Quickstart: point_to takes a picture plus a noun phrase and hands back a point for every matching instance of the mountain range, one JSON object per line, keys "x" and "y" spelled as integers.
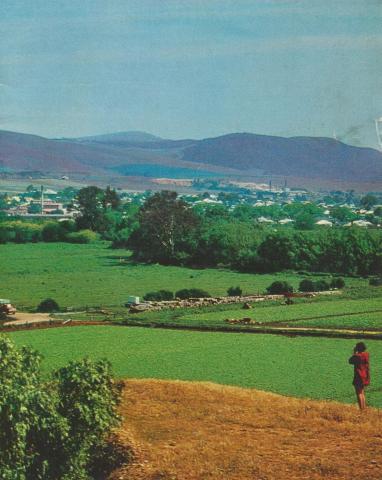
{"x": 236, "y": 155}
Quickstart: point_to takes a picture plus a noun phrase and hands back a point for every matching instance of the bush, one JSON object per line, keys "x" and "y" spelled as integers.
{"x": 159, "y": 296}
{"x": 280, "y": 287}
{"x": 234, "y": 291}
{"x": 53, "y": 232}
{"x": 48, "y": 305}
{"x": 376, "y": 282}
{"x": 321, "y": 285}
{"x": 306, "y": 285}
{"x": 83, "y": 236}
{"x": 191, "y": 293}
{"x": 337, "y": 283}
{"x": 53, "y": 430}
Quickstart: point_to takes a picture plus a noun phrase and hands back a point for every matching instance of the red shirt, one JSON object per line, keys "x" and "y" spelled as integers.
{"x": 360, "y": 360}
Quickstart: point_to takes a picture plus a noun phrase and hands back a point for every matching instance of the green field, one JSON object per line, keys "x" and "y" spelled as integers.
{"x": 303, "y": 367}
{"x": 94, "y": 275}
{"x": 322, "y": 312}
{"x": 296, "y": 314}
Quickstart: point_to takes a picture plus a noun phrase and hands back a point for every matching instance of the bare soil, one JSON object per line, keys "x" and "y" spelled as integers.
{"x": 191, "y": 431}
{"x": 22, "y": 318}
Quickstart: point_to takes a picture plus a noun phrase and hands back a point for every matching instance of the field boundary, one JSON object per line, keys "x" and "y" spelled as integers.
{"x": 284, "y": 331}
{"x": 331, "y": 315}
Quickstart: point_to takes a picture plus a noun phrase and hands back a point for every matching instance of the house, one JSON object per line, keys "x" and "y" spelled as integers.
{"x": 324, "y": 223}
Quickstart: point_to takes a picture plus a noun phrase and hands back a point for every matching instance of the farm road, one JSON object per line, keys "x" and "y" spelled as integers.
{"x": 22, "y": 318}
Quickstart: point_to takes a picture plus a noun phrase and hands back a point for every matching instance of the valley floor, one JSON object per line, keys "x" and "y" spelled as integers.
{"x": 193, "y": 431}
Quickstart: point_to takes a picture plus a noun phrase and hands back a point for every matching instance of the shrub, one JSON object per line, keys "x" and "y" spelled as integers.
{"x": 6, "y": 234}
{"x": 83, "y": 236}
{"x": 48, "y": 305}
{"x": 234, "y": 291}
{"x": 53, "y": 232}
{"x": 321, "y": 285}
{"x": 280, "y": 287}
{"x": 159, "y": 296}
{"x": 306, "y": 285}
{"x": 53, "y": 430}
{"x": 338, "y": 282}
{"x": 375, "y": 282}
{"x": 191, "y": 293}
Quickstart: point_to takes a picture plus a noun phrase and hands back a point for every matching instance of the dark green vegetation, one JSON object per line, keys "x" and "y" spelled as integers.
{"x": 48, "y": 305}
{"x": 303, "y": 367}
{"x": 57, "y": 428}
{"x": 168, "y": 231}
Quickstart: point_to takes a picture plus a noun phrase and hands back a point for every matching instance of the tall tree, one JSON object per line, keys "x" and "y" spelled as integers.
{"x": 167, "y": 230}
{"x": 93, "y": 203}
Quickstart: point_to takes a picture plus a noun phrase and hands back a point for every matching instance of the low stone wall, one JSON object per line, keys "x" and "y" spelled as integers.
{"x": 204, "y": 302}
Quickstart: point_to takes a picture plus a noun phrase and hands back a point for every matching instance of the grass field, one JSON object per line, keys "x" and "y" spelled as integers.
{"x": 94, "y": 275}
{"x": 304, "y": 367}
{"x": 322, "y": 312}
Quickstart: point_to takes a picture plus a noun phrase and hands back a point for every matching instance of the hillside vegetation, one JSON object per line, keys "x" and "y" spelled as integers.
{"x": 194, "y": 431}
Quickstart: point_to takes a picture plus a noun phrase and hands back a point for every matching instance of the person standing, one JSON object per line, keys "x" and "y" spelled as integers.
{"x": 360, "y": 360}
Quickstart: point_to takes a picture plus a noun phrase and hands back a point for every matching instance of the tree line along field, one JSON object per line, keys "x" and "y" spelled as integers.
{"x": 303, "y": 367}
{"x": 93, "y": 275}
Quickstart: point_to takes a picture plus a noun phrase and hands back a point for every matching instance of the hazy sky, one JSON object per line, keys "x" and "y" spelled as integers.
{"x": 192, "y": 68}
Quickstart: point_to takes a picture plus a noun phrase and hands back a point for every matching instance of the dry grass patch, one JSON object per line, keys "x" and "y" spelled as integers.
{"x": 187, "y": 431}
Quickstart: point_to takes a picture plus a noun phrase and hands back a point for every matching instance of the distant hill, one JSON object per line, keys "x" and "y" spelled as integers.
{"x": 120, "y": 138}
{"x": 298, "y": 156}
{"x": 237, "y": 154}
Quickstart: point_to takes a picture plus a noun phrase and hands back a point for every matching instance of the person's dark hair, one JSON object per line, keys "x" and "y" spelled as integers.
{"x": 360, "y": 347}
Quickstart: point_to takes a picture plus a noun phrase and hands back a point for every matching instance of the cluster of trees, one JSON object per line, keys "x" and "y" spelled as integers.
{"x": 57, "y": 429}
{"x": 20, "y": 231}
{"x": 99, "y": 214}
{"x": 182, "y": 294}
{"x": 168, "y": 231}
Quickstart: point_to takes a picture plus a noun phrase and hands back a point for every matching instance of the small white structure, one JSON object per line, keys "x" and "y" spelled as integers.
{"x": 131, "y": 300}
{"x": 285, "y": 221}
{"x": 265, "y": 220}
{"x": 359, "y": 223}
{"x": 324, "y": 223}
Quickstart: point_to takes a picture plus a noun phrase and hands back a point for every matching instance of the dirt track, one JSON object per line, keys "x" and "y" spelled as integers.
{"x": 22, "y": 318}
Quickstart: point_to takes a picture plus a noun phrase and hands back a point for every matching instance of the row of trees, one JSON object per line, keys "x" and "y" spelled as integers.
{"x": 170, "y": 232}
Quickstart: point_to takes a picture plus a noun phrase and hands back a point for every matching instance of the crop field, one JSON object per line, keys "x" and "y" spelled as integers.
{"x": 303, "y": 367}
{"x": 320, "y": 312}
{"x": 94, "y": 275}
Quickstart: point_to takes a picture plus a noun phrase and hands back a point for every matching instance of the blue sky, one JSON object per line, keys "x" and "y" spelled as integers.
{"x": 192, "y": 68}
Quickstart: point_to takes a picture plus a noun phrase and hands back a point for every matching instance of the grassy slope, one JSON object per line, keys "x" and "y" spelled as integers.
{"x": 197, "y": 431}
{"x": 80, "y": 275}
{"x": 305, "y": 367}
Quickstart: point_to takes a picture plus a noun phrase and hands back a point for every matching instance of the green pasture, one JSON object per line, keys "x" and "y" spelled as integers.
{"x": 96, "y": 275}
{"x": 320, "y": 312}
{"x": 304, "y": 367}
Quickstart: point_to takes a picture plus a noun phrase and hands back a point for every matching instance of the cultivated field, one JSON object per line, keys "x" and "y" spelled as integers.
{"x": 322, "y": 312}
{"x": 303, "y": 367}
